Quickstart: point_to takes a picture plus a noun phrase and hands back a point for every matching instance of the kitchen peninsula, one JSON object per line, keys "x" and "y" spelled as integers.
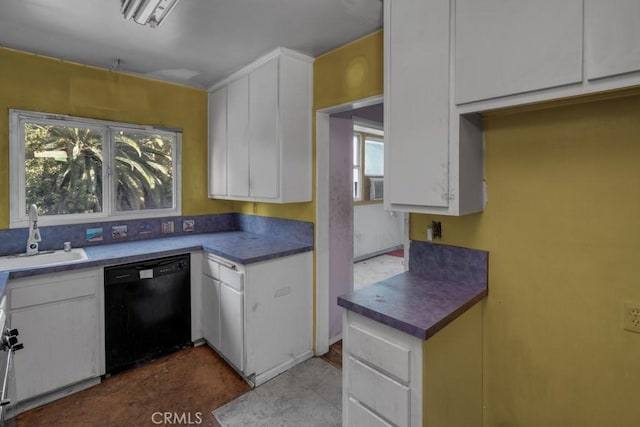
{"x": 414, "y": 340}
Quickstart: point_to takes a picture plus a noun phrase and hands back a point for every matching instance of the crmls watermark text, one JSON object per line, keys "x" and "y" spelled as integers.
{"x": 175, "y": 418}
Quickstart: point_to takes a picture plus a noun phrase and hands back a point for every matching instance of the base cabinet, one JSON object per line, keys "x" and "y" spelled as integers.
{"x": 58, "y": 319}
{"x": 391, "y": 378}
{"x": 258, "y": 316}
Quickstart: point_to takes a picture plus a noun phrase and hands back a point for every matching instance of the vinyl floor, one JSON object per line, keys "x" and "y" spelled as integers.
{"x": 187, "y": 385}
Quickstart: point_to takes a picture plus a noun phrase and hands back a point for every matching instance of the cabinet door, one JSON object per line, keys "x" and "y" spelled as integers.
{"x": 60, "y": 345}
{"x": 238, "y": 138}
{"x": 232, "y": 325}
{"x": 211, "y": 310}
{"x": 505, "y": 47}
{"x": 279, "y": 298}
{"x": 218, "y": 142}
{"x": 416, "y": 102}
{"x": 612, "y": 37}
{"x": 264, "y": 148}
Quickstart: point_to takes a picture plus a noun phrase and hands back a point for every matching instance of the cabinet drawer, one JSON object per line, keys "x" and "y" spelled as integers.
{"x": 233, "y": 278}
{"x": 211, "y": 268}
{"x": 56, "y": 290}
{"x": 359, "y": 416}
{"x": 387, "y": 356}
{"x": 383, "y": 395}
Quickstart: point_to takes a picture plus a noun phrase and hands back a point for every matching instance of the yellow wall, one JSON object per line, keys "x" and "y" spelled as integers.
{"x": 35, "y": 83}
{"x": 562, "y": 226}
{"x": 563, "y": 229}
{"x": 350, "y": 73}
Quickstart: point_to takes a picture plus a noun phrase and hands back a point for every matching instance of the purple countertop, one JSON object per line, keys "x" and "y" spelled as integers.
{"x": 413, "y": 303}
{"x": 237, "y": 246}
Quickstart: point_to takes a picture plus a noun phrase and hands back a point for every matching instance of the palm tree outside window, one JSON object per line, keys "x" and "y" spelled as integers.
{"x": 81, "y": 170}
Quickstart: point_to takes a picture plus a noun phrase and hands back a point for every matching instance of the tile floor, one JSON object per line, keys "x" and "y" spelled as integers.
{"x": 307, "y": 395}
{"x": 375, "y": 269}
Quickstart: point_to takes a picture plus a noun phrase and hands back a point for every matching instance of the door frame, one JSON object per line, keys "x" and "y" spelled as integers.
{"x": 323, "y": 231}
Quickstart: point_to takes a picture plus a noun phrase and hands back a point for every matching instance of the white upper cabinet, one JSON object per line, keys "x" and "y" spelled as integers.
{"x": 433, "y": 156}
{"x": 264, "y": 154}
{"x": 612, "y": 30}
{"x": 416, "y": 103}
{"x": 260, "y": 136}
{"x": 507, "y": 47}
{"x": 237, "y": 138}
{"x": 218, "y": 133}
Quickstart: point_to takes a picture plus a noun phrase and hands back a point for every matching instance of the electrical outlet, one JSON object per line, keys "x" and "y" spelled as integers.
{"x": 631, "y": 316}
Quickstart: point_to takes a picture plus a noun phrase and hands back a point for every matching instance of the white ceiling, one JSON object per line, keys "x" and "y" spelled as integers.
{"x": 200, "y": 42}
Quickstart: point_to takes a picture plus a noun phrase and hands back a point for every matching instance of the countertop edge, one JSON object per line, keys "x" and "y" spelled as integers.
{"x": 5, "y": 275}
{"x": 253, "y": 260}
{"x": 410, "y": 328}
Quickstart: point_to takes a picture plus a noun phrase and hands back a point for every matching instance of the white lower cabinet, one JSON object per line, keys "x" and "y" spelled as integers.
{"x": 258, "y": 316}
{"x": 57, "y": 316}
{"x": 382, "y": 374}
{"x": 391, "y": 378}
{"x": 232, "y": 325}
{"x": 211, "y": 310}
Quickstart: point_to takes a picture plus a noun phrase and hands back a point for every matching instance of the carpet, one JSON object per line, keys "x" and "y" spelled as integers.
{"x": 307, "y": 395}
{"x": 187, "y": 385}
{"x": 398, "y": 252}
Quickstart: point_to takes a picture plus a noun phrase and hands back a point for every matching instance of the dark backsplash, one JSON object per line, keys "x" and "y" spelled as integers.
{"x": 14, "y": 241}
{"x": 442, "y": 262}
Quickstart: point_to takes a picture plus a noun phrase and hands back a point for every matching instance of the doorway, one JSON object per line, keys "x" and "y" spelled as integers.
{"x": 341, "y": 227}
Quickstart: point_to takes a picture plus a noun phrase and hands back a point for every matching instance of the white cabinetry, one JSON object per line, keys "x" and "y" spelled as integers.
{"x": 237, "y": 147}
{"x": 433, "y": 157}
{"x": 223, "y": 309}
{"x": 612, "y": 37}
{"x": 511, "y": 53}
{"x": 58, "y": 319}
{"x": 391, "y": 378}
{"x": 382, "y": 375}
{"x": 260, "y": 131}
{"x": 258, "y": 316}
{"x": 510, "y": 47}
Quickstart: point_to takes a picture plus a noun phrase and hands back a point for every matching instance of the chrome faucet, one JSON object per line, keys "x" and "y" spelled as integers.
{"x": 34, "y": 233}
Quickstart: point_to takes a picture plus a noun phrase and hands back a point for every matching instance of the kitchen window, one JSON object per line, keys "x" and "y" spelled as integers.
{"x": 82, "y": 170}
{"x": 368, "y": 163}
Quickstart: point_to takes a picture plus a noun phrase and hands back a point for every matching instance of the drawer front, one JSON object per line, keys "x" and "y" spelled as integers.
{"x": 211, "y": 268}
{"x": 25, "y": 296}
{"x": 359, "y": 416}
{"x": 389, "y": 357}
{"x": 233, "y": 278}
{"x": 382, "y": 394}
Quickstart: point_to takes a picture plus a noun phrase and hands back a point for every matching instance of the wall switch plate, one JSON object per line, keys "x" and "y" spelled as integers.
{"x": 631, "y": 316}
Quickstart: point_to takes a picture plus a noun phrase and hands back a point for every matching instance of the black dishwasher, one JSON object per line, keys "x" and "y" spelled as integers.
{"x": 147, "y": 310}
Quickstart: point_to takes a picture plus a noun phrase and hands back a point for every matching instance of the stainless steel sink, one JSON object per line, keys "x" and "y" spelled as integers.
{"x": 42, "y": 259}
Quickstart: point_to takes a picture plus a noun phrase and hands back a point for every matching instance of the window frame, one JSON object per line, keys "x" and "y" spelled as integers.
{"x": 374, "y": 132}
{"x": 357, "y": 164}
{"x": 17, "y": 175}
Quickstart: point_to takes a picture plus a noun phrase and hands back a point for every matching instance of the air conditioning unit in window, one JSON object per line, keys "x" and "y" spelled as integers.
{"x": 376, "y": 188}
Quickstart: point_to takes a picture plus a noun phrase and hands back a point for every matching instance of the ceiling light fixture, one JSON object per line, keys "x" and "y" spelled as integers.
{"x": 144, "y": 12}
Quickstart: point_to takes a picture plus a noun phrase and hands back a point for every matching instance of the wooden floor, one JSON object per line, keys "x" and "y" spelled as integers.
{"x": 334, "y": 356}
{"x": 190, "y": 383}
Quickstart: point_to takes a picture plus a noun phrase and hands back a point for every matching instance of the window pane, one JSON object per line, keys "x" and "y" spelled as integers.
{"x": 63, "y": 168}
{"x": 356, "y": 183}
{"x": 144, "y": 170}
{"x": 373, "y": 158}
